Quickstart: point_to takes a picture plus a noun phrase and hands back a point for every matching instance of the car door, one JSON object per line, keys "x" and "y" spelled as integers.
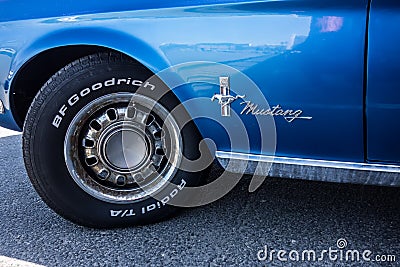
{"x": 383, "y": 83}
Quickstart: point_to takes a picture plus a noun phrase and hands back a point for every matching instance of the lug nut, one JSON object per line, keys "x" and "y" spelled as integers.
{"x": 121, "y": 180}
{"x": 103, "y": 174}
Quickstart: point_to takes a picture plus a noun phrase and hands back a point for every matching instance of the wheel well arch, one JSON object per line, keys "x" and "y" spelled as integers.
{"x": 39, "y": 69}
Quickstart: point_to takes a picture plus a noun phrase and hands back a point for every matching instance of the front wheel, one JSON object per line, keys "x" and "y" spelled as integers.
{"x": 103, "y": 155}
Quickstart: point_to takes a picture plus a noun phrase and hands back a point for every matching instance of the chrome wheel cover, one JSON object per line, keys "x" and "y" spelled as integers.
{"x": 122, "y": 148}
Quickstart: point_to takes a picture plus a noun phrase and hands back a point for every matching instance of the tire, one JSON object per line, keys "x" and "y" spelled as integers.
{"x": 74, "y": 132}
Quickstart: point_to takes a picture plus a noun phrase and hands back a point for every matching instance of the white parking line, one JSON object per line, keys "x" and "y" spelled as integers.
{"x": 11, "y": 262}
{"x": 5, "y": 132}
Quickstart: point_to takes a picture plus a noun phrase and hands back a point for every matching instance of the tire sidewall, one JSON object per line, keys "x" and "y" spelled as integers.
{"x": 47, "y": 146}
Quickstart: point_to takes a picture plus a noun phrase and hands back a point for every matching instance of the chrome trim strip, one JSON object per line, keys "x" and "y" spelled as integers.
{"x": 311, "y": 169}
{"x": 309, "y": 162}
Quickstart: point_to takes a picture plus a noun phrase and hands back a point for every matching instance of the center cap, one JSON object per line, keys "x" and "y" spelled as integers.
{"x": 126, "y": 152}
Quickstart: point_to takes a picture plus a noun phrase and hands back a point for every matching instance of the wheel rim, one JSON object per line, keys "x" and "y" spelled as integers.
{"x": 122, "y": 148}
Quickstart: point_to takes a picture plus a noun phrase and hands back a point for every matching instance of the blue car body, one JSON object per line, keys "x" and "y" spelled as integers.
{"x": 336, "y": 60}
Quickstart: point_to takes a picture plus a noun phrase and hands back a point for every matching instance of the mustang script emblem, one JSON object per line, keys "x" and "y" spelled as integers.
{"x": 288, "y": 114}
{"x": 225, "y": 99}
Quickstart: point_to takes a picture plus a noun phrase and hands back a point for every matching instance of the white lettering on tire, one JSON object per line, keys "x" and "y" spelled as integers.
{"x": 151, "y": 207}
{"x": 97, "y": 86}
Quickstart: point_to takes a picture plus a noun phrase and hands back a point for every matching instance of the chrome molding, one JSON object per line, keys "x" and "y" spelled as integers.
{"x": 310, "y": 169}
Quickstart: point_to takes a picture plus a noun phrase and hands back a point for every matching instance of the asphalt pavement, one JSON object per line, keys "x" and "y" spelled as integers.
{"x": 290, "y": 215}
